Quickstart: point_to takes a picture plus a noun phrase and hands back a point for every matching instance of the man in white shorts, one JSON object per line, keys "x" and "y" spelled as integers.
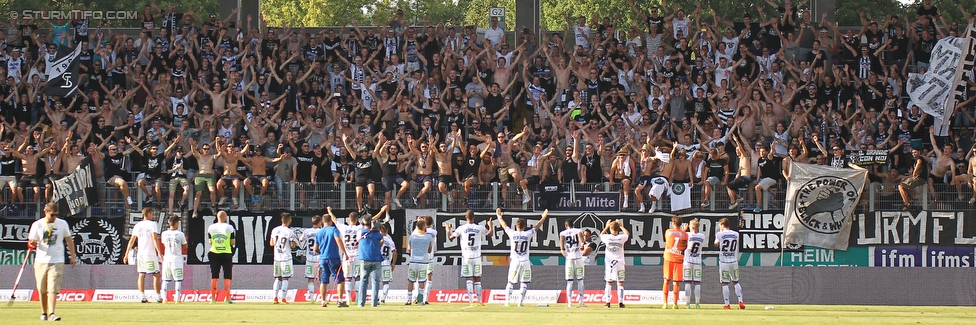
{"x": 471, "y": 235}
{"x": 419, "y": 246}
{"x": 146, "y": 233}
{"x": 174, "y": 243}
{"x": 727, "y": 241}
{"x": 432, "y": 232}
{"x": 693, "y": 263}
{"x": 389, "y": 260}
{"x": 571, "y": 246}
{"x": 519, "y": 267}
{"x": 614, "y": 236}
{"x": 311, "y": 256}
{"x": 282, "y": 241}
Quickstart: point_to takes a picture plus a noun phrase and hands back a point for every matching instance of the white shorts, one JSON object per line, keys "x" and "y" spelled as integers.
{"x": 766, "y": 183}
{"x": 693, "y": 272}
{"x": 659, "y": 186}
{"x": 614, "y": 271}
{"x": 147, "y": 264}
{"x": 283, "y": 269}
{"x": 520, "y": 271}
{"x": 173, "y": 269}
{"x": 417, "y": 272}
{"x": 310, "y": 269}
{"x": 574, "y": 269}
{"x": 729, "y": 272}
{"x": 471, "y": 267}
{"x": 430, "y": 269}
{"x": 352, "y": 268}
{"x": 10, "y": 181}
{"x": 386, "y": 273}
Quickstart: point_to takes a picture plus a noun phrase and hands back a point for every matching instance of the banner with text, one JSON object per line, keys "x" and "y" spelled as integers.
{"x": 763, "y": 232}
{"x": 820, "y": 202}
{"x": 583, "y": 201}
{"x": 97, "y": 240}
{"x": 76, "y": 192}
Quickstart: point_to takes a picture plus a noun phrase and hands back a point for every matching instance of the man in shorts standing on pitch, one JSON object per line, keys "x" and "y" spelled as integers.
{"x": 519, "y": 267}
{"x": 146, "y": 233}
{"x": 389, "y": 261}
{"x": 352, "y": 232}
{"x": 693, "y": 264}
{"x": 419, "y": 246}
{"x": 471, "y": 235}
{"x": 221, "y": 255}
{"x": 614, "y": 236}
{"x": 675, "y": 241}
{"x": 283, "y": 241}
{"x": 727, "y": 241}
{"x": 570, "y": 246}
{"x": 46, "y": 236}
{"x": 328, "y": 243}
{"x": 174, "y": 245}
{"x": 311, "y": 256}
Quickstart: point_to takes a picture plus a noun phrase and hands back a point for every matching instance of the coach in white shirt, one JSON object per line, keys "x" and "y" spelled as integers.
{"x": 495, "y": 34}
{"x": 48, "y": 236}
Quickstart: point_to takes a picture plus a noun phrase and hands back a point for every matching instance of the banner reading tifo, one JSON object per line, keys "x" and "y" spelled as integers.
{"x": 820, "y": 202}
{"x": 76, "y": 192}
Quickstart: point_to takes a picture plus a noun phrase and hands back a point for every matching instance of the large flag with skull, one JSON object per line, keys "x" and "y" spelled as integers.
{"x": 820, "y": 203}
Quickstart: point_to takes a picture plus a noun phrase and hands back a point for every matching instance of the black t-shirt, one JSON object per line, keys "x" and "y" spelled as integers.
{"x": 367, "y": 168}
{"x": 8, "y": 165}
{"x": 752, "y": 34}
{"x": 115, "y": 166}
{"x": 304, "y": 167}
{"x": 153, "y": 165}
{"x": 171, "y": 164}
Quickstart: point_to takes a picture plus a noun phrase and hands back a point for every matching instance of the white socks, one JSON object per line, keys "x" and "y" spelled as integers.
{"x": 508, "y": 290}
{"x": 386, "y": 290}
{"x": 477, "y": 291}
{"x": 276, "y": 287}
{"x": 523, "y": 290}
{"x": 284, "y": 288}
{"x": 738, "y": 291}
{"x": 687, "y": 294}
{"x": 311, "y": 290}
{"x": 579, "y": 287}
{"x": 697, "y": 293}
{"x": 469, "y": 284}
{"x": 163, "y": 295}
{"x": 569, "y": 292}
{"x": 427, "y": 291}
{"x": 620, "y": 293}
{"x": 606, "y": 293}
{"x": 725, "y": 293}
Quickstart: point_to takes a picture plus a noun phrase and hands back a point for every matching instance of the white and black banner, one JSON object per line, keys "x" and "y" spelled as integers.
{"x": 76, "y": 192}
{"x": 963, "y": 71}
{"x": 581, "y": 201}
{"x": 64, "y": 75}
{"x": 820, "y": 202}
{"x": 941, "y": 87}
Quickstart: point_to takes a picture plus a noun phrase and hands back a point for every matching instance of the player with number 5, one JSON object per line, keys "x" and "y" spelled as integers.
{"x": 520, "y": 268}
{"x": 614, "y": 236}
{"x": 727, "y": 241}
{"x": 472, "y": 235}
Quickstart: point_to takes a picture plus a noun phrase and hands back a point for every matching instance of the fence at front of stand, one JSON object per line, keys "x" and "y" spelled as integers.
{"x": 483, "y": 197}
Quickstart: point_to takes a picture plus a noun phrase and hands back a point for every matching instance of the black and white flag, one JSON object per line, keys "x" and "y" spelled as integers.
{"x": 820, "y": 202}
{"x": 64, "y": 76}
{"x": 77, "y": 191}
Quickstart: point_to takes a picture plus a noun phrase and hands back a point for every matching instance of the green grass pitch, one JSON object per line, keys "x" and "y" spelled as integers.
{"x": 303, "y": 313}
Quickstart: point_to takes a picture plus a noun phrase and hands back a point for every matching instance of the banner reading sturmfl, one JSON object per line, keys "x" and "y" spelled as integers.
{"x": 76, "y": 192}
{"x": 820, "y": 202}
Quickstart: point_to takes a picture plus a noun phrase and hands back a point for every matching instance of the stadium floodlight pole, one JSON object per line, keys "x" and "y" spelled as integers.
{"x": 13, "y": 292}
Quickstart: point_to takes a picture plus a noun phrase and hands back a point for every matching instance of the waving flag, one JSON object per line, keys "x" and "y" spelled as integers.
{"x": 64, "y": 77}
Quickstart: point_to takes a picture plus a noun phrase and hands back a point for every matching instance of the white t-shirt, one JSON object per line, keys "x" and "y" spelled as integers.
{"x": 173, "y": 241}
{"x": 350, "y": 236}
{"x": 282, "y": 237}
{"x": 520, "y": 242}
{"x": 50, "y": 240}
{"x": 681, "y": 27}
{"x": 494, "y": 35}
{"x": 470, "y": 237}
{"x": 144, "y": 231}
{"x": 387, "y": 249}
{"x": 308, "y": 237}
{"x": 696, "y": 242}
{"x": 571, "y": 243}
{"x": 728, "y": 246}
{"x": 614, "y": 245}
{"x": 580, "y": 31}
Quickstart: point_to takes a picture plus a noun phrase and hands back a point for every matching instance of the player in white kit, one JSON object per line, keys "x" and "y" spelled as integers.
{"x": 471, "y": 235}
{"x": 727, "y": 241}
{"x": 174, "y": 245}
{"x": 146, "y": 233}
{"x": 311, "y": 256}
{"x": 283, "y": 241}
{"x": 693, "y": 263}
{"x": 351, "y": 232}
{"x": 389, "y": 261}
{"x": 519, "y": 267}
{"x": 419, "y": 246}
{"x": 432, "y": 232}
{"x": 571, "y": 247}
{"x": 614, "y": 236}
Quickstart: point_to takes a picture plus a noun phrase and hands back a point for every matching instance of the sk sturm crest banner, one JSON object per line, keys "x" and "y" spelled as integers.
{"x": 820, "y": 204}
{"x": 64, "y": 75}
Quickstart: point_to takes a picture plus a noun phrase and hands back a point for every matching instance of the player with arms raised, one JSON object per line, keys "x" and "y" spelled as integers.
{"x": 471, "y": 235}
{"x": 693, "y": 264}
{"x": 727, "y": 241}
{"x": 614, "y": 236}
{"x": 283, "y": 241}
{"x": 519, "y": 268}
{"x": 675, "y": 241}
{"x": 311, "y": 256}
{"x": 174, "y": 244}
{"x": 571, "y": 247}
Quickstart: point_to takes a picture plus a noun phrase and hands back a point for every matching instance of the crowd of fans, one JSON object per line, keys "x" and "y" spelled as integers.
{"x": 683, "y": 95}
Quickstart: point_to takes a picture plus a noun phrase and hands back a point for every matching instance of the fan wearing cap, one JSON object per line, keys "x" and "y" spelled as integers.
{"x": 367, "y": 167}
